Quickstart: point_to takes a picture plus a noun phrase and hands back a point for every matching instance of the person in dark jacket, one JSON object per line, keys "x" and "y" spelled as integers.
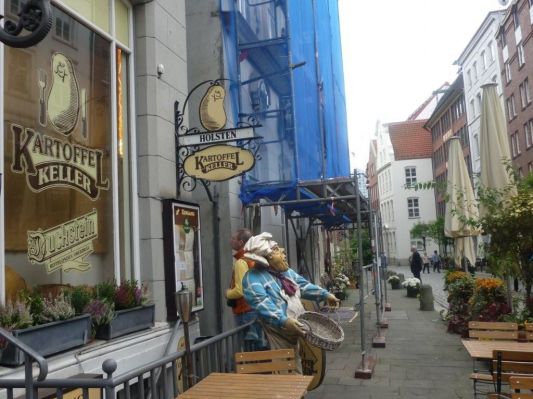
{"x": 416, "y": 263}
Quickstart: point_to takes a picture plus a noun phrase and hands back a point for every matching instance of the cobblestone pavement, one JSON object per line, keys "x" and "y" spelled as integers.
{"x": 420, "y": 360}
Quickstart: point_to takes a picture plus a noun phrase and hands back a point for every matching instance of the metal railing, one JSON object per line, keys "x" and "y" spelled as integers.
{"x": 158, "y": 379}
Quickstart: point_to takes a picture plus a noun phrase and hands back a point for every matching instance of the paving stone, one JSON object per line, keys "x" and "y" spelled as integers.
{"x": 420, "y": 360}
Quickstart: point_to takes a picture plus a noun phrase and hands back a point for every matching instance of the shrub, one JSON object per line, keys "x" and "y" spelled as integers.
{"x": 488, "y": 302}
{"x": 80, "y": 296}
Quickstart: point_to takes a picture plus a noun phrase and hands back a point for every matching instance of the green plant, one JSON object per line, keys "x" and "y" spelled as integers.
{"x": 80, "y": 296}
{"x": 106, "y": 291}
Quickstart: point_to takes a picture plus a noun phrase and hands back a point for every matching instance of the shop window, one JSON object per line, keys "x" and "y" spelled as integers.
{"x": 58, "y": 141}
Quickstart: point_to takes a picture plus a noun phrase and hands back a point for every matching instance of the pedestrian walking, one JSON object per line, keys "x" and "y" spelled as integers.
{"x": 435, "y": 260}
{"x": 425, "y": 262}
{"x": 416, "y": 263}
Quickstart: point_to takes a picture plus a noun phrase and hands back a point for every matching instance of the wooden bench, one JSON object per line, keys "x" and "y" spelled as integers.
{"x": 278, "y": 361}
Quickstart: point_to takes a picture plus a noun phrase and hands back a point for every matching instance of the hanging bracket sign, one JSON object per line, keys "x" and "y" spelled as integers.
{"x": 201, "y": 154}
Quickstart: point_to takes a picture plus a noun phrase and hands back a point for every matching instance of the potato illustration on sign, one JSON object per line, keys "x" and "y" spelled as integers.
{"x": 64, "y": 98}
{"x": 212, "y": 113}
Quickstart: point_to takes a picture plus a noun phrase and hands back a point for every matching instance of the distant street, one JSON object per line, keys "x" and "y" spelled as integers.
{"x": 436, "y": 280}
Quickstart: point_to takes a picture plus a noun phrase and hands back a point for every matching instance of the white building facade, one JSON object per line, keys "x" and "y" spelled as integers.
{"x": 480, "y": 65}
{"x": 400, "y": 206}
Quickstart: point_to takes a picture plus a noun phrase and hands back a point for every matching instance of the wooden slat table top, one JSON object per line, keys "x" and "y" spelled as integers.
{"x": 482, "y": 349}
{"x": 256, "y": 386}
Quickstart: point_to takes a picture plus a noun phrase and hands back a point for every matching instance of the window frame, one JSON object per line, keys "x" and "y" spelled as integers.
{"x": 413, "y": 206}
{"x": 410, "y": 176}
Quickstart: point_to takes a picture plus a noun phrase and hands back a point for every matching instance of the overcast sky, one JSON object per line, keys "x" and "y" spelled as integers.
{"x": 396, "y": 53}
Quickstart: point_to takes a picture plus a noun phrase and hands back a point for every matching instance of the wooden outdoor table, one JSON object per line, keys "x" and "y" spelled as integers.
{"x": 256, "y": 386}
{"x": 482, "y": 349}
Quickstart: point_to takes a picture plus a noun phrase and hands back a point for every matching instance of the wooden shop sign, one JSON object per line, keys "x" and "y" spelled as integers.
{"x": 219, "y": 162}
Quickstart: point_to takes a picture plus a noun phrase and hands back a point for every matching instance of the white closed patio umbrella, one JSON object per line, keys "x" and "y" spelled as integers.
{"x": 494, "y": 149}
{"x": 461, "y": 205}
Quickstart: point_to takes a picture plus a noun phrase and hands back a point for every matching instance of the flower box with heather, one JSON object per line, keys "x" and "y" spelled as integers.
{"x": 120, "y": 310}
{"x": 47, "y": 325}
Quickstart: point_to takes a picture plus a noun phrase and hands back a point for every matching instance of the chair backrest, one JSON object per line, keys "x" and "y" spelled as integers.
{"x": 529, "y": 331}
{"x": 507, "y": 364}
{"x": 492, "y": 330}
{"x": 519, "y": 382}
{"x": 278, "y": 361}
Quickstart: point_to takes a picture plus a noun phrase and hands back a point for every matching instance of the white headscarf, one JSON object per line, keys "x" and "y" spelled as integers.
{"x": 258, "y": 247}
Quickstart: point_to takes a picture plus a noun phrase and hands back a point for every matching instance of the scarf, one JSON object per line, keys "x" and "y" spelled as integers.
{"x": 287, "y": 284}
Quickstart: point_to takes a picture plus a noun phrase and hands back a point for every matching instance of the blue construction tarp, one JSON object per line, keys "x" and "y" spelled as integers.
{"x": 306, "y": 137}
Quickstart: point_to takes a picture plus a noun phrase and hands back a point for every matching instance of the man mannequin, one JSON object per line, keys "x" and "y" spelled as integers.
{"x": 273, "y": 290}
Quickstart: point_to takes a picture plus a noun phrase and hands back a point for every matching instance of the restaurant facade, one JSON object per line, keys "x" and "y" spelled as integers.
{"x": 93, "y": 187}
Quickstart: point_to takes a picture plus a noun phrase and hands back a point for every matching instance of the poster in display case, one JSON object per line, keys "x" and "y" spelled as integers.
{"x": 183, "y": 253}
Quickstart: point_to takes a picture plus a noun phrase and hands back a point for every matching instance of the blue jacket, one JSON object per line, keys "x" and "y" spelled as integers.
{"x": 262, "y": 292}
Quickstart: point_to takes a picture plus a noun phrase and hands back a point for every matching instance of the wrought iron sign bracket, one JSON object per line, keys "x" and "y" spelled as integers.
{"x": 34, "y": 17}
{"x": 214, "y": 136}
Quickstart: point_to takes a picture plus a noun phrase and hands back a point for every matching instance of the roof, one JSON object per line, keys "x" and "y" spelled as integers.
{"x": 410, "y": 140}
{"x": 426, "y": 103}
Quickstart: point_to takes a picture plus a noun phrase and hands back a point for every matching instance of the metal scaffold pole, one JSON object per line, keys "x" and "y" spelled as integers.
{"x": 366, "y": 367}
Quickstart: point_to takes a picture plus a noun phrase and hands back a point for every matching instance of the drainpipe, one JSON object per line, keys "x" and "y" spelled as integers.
{"x": 216, "y": 241}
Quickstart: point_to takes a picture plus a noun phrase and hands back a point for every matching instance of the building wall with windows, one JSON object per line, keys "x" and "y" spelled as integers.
{"x": 515, "y": 49}
{"x": 448, "y": 120}
{"x": 480, "y": 64}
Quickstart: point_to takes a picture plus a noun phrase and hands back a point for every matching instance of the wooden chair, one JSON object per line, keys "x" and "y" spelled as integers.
{"x": 278, "y": 361}
{"x": 518, "y": 383}
{"x": 507, "y": 364}
{"x": 489, "y": 331}
{"x": 529, "y": 331}
{"x": 492, "y": 330}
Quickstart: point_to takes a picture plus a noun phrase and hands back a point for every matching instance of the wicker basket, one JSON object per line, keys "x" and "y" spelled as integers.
{"x": 321, "y": 331}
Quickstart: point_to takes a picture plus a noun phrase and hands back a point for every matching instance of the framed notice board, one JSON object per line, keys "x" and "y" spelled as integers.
{"x": 183, "y": 253}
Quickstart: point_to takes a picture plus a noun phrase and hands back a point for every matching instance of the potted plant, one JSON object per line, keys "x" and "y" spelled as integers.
{"x": 338, "y": 287}
{"x": 394, "y": 281}
{"x": 48, "y": 325}
{"x": 120, "y": 309}
{"x": 413, "y": 286}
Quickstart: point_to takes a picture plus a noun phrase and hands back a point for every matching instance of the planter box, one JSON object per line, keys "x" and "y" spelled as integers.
{"x": 412, "y": 292}
{"x": 340, "y": 295}
{"x": 396, "y": 285}
{"x": 50, "y": 338}
{"x": 128, "y": 321}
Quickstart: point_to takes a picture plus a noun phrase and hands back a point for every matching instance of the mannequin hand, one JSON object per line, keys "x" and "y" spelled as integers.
{"x": 294, "y": 327}
{"x": 332, "y": 300}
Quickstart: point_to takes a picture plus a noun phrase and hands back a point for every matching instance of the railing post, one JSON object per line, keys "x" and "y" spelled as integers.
{"x": 109, "y": 366}
{"x": 28, "y": 377}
